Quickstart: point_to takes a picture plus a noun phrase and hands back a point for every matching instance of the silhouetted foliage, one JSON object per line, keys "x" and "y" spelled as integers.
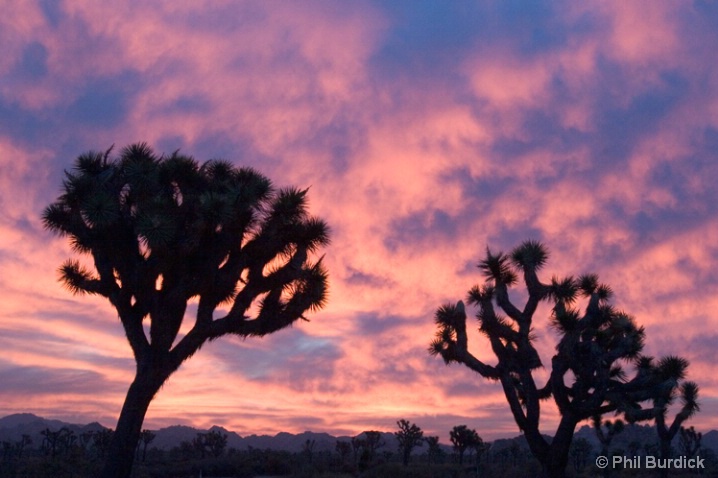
{"x": 344, "y": 449}
{"x": 365, "y": 446}
{"x": 164, "y": 230}
{"x": 101, "y": 441}
{"x": 211, "y": 443}
{"x": 508, "y": 459}
{"x": 308, "y": 449}
{"x": 580, "y": 453}
{"x": 587, "y": 373}
{"x": 434, "y": 451}
{"x": 463, "y": 438}
{"x": 146, "y": 437}
{"x": 612, "y": 428}
{"x": 690, "y": 441}
{"x": 57, "y": 442}
{"x": 409, "y": 436}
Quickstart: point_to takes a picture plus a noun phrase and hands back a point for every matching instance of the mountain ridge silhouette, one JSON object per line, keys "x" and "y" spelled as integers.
{"x": 13, "y": 426}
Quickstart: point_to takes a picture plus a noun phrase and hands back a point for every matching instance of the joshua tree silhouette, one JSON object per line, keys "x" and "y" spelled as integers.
{"x": 463, "y": 438}
{"x": 688, "y": 393}
{"x": 164, "y": 230}
{"x": 587, "y": 376}
{"x": 409, "y": 436}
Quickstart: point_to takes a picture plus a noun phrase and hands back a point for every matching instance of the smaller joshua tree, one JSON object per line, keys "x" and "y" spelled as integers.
{"x": 211, "y": 443}
{"x": 587, "y": 372}
{"x": 409, "y": 436}
{"x": 612, "y": 429}
{"x": 344, "y": 449}
{"x": 580, "y": 451}
{"x": 690, "y": 441}
{"x": 463, "y": 438}
{"x": 146, "y": 437}
{"x": 687, "y": 391}
{"x": 434, "y": 449}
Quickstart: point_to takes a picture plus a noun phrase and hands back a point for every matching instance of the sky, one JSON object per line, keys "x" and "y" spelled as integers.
{"x": 426, "y": 131}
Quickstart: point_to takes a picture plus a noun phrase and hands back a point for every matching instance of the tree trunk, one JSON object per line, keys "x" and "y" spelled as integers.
{"x": 555, "y": 465}
{"x": 537, "y": 444}
{"x": 129, "y": 426}
{"x": 665, "y": 447}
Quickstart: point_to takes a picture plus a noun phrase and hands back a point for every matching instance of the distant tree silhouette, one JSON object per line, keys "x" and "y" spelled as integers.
{"x": 308, "y": 449}
{"x": 357, "y": 444}
{"x": 690, "y": 441}
{"x": 365, "y": 446}
{"x": 188, "y": 450}
{"x": 652, "y": 449}
{"x": 344, "y": 448}
{"x": 86, "y": 439}
{"x": 514, "y": 453}
{"x": 12, "y": 451}
{"x": 580, "y": 452}
{"x": 57, "y": 442}
{"x": 434, "y": 449}
{"x": 373, "y": 441}
{"x": 409, "y": 436}
{"x": 51, "y": 441}
{"x": 8, "y": 451}
{"x": 587, "y": 377}
{"x": 26, "y": 440}
{"x": 164, "y": 230}
{"x": 101, "y": 441}
{"x": 463, "y": 438}
{"x": 613, "y": 428}
{"x": 633, "y": 447}
{"x": 146, "y": 437}
{"x": 211, "y": 443}
{"x": 480, "y": 448}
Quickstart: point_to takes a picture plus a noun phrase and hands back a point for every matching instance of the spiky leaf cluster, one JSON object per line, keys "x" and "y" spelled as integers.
{"x": 497, "y": 268}
{"x": 531, "y": 255}
{"x": 449, "y": 319}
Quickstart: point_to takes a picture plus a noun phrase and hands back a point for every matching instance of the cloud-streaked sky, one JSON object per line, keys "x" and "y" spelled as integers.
{"x": 426, "y": 130}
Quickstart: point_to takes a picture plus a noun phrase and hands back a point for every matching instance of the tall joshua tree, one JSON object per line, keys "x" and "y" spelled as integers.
{"x": 587, "y": 375}
{"x": 161, "y": 231}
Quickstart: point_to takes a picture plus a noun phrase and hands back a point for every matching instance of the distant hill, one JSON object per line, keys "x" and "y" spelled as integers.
{"x": 174, "y": 435}
{"x": 12, "y": 427}
{"x": 710, "y": 440}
